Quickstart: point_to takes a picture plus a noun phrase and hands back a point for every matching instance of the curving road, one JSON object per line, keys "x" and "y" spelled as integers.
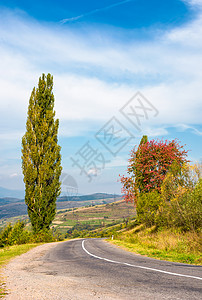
{"x": 116, "y": 274}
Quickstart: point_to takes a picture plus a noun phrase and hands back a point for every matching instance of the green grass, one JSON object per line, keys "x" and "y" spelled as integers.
{"x": 6, "y": 254}
{"x": 167, "y": 244}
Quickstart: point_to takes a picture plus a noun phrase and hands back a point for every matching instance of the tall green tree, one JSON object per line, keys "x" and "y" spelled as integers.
{"x": 41, "y": 159}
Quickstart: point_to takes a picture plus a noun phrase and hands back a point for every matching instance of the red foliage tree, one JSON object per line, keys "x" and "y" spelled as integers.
{"x": 148, "y": 166}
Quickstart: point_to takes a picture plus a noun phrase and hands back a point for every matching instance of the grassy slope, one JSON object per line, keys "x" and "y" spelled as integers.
{"x": 167, "y": 244}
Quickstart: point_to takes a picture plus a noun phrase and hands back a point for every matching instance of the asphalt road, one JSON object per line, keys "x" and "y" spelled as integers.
{"x": 123, "y": 275}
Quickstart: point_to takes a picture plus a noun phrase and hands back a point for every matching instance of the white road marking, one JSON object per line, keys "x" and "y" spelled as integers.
{"x": 135, "y": 266}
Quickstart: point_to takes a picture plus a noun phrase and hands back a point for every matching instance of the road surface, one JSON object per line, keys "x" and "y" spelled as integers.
{"x": 109, "y": 270}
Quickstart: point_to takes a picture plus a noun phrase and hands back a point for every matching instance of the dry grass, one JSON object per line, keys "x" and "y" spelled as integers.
{"x": 166, "y": 244}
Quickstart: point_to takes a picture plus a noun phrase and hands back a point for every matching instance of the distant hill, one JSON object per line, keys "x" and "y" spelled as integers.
{"x": 13, "y": 210}
{"x": 11, "y": 193}
{"x": 9, "y": 200}
{"x": 12, "y": 207}
{"x": 88, "y": 197}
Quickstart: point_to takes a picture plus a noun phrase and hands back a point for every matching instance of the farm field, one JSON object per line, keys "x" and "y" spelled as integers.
{"x": 92, "y": 217}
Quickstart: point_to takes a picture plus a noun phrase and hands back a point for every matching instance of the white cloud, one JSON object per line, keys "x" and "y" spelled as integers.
{"x": 13, "y": 175}
{"x": 93, "y": 172}
{"x": 91, "y": 71}
{"x": 183, "y": 127}
{"x": 80, "y": 98}
{"x": 197, "y": 3}
{"x": 11, "y": 136}
{"x": 94, "y": 76}
{"x": 154, "y": 132}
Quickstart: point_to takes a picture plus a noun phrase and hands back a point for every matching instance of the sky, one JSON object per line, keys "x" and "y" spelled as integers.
{"x": 121, "y": 69}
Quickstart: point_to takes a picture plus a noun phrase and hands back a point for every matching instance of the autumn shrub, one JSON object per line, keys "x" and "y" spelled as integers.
{"x": 147, "y": 207}
{"x": 148, "y": 166}
{"x": 184, "y": 211}
{"x": 181, "y": 193}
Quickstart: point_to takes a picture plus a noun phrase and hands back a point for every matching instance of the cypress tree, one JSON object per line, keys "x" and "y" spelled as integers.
{"x": 41, "y": 159}
{"x": 144, "y": 139}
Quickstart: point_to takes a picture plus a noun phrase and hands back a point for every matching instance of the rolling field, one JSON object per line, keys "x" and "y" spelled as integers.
{"x": 94, "y": 216}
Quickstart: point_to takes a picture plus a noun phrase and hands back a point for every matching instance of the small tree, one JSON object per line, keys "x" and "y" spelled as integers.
{"x": 147, "y": 207}
{"x": 181, "y": 194}
{"x": 41, "y": 159}
{"x": 148, "y": 166}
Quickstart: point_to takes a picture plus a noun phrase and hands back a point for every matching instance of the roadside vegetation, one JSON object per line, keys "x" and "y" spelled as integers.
{"x": 167, "y": 192}
{"x": 19, "y": 235}
{"x": 165, "y": 244}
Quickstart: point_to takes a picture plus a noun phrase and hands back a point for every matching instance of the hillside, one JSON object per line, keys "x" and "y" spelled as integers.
{"x": 95, "y": 196}
{"x": 16, "y": 208}
{"x": 12, "y": 207}
{"x": 90, "y": 221}
{"x": 9, "y": 200}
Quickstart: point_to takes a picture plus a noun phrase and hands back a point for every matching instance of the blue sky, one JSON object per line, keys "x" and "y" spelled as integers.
{"x": 101, "y": 53}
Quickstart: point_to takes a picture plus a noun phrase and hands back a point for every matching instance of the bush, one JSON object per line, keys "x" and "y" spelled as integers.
{"x": 4, "y": 235}
{"x": 148, "y": 166}
{"x": 147, "y": 207}
{"x": 15, "y": 235}
{"x": 19, "y": 235}
{"x": 184, "y": 211}
{"x": 182, "y": 199}
{"x": 194, "y": 207}
{"x": 43, "y": 236}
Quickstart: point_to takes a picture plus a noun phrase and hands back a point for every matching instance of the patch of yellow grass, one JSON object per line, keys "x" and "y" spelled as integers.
{"x": 166, "y": 244}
